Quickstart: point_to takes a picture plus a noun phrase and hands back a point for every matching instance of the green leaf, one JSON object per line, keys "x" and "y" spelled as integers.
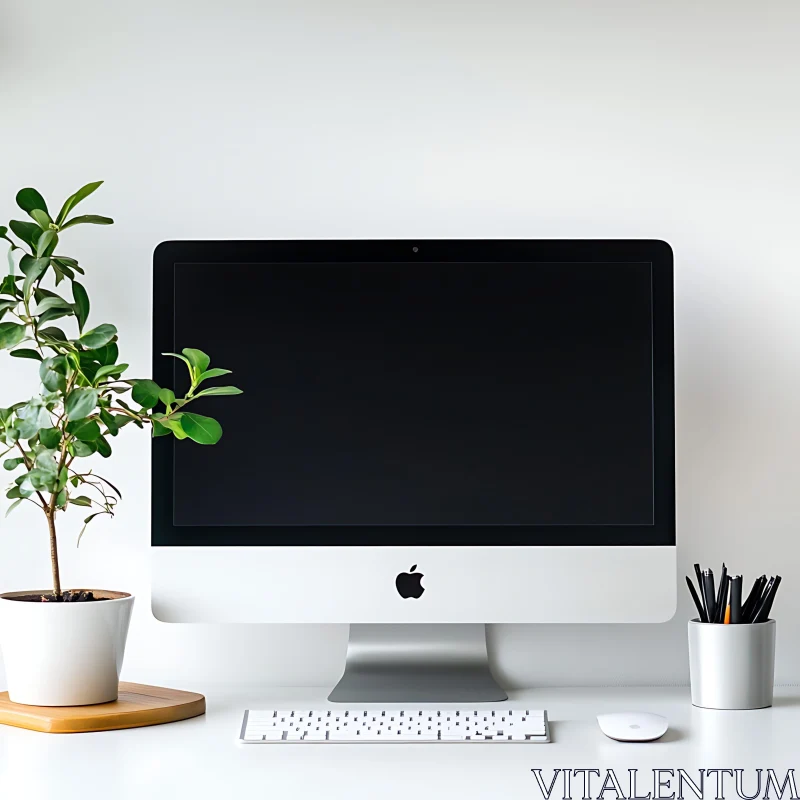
{"x": 40, "y": 293}
{"x": 213, "y": 373}
{"x": 26, "y": 353}
{"x": 6, "y": 305}
{"x": 81, "y": 304}
{"x": 60, "y": 271}
{"x": 53, "y": 333}
{"x": 11, "y": 435}
{"x": 80, "y": 403}
{"x": 11, "y": 334}
{"x": 92, "y": 219}
{"x": 46, "y": 462}
{"x": 76, "y": 198}
{"x": 14, "y": 505}
{"x": 42, "y": 477}
{"x": 185, "y": 361}
{"x": 55, "y": 313}
{"x": 86, "y": 522}
{"x": 81, "y": 500}
{"x": 105, "y": 355}
{"x": 68, "y": 265}
{"x": 111, "y": 369}
{"x": 203, "y": 430}
{"x": 29, "y": 232}
{"x": 8, "y": 286}
{"x": 160, "y": 430}
{"x": 29, "y": 199}
{"x": 46, "y": 244}
{"x": 61, "y": 498}
{"x": 13, "y": 493}
{"x": 53, "y": 373}
{"x": 111, "y": 486}
{"x": 145, "y": 393}
{"x": 173, "y": 423}
{"x": 109, "y": 421}
{"x": 50, "y": 437}
{"x": 50, "y": 302}
{"x": 99, "y": 336}
{"x": 198, "y": 359}
{"x": 103, "y": 447}
{"x": 87, "y": 430}
{"x": 50, "y": 306}
{"x": 33, "y": 269}
{"x": 31, "y": 418}
{"x": 135, "y": 420}
{"x": 123, "y": 419}
{"x": 218, "y": 390}
{"x": 166, "y": 396}
{"x": 35, "y": 481}
{"x": 13, "y": 463}
{"x": 82, "y": 449}
{"x": 182, "y": 358}
{"x": 70, "y": 262}
{"x": 42, "y": 219}
{"x": 39, "y": 481}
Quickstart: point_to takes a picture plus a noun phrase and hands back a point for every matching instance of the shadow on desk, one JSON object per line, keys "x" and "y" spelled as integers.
{"x": 569, "y": 730}
{"x": 672, "y": 735}
{"x": 786, "y": 701}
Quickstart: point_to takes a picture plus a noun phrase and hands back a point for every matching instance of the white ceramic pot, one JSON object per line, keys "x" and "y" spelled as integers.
{"x": 732, "y": 666}
{"x": 64, "y": 654}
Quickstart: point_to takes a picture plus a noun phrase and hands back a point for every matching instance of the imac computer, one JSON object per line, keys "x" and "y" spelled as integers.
{"x": 432, "y": 436}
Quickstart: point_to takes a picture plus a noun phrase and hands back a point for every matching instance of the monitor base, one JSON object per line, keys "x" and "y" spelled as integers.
{"x": 417, "y": 663}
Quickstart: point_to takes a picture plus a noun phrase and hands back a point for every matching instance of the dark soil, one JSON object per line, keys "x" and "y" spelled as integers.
{"x": 65, "y": 597}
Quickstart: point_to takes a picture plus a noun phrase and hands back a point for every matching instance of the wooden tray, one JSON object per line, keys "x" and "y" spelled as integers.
{"x": 138, "y": 705}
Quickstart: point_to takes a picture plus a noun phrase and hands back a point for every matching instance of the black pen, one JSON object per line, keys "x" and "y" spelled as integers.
{"x": 700, "y": 610}
{"x": 762, "y": 602}
{"x": 736, "y": 599}
{"x": 721, "y": 604}
{"x": 722, "y": 598}
{"x": 762, "y": 583}
{"x": 766, "y": 607}
{"x": 708, "y": 594}
{"x": 753, "y": 597}
{"x": 699, "y": 576}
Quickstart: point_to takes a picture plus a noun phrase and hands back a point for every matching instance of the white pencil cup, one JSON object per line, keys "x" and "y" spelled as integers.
{"x": 732, "y": 666}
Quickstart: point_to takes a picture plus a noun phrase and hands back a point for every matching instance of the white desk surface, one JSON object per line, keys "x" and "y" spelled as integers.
{"x": 200, "y": 758}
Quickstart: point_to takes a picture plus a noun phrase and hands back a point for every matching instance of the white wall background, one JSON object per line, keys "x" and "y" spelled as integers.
{"x": 338, "y": 118}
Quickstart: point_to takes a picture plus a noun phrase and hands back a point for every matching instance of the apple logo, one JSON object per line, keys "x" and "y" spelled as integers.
{"x": 409, "y": 584}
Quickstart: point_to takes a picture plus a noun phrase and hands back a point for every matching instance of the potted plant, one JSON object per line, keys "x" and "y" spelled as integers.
{"x": 65, "y": 647}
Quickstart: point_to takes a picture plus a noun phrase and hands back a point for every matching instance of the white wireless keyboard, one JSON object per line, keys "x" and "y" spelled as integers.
{"x": 353, "y": 725}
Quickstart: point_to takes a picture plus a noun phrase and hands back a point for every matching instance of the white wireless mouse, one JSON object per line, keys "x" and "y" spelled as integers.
{"x": 633, "y": 726}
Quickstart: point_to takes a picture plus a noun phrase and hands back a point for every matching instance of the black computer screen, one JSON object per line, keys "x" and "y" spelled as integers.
{"x": 407, "y": 394}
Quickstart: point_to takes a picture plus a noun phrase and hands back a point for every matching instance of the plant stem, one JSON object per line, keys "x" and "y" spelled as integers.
{"x": 51, "y": 524}
{"x": 29, "y": 466}
{"x": 131, "y": 414}
{"x": 34, "y": 328}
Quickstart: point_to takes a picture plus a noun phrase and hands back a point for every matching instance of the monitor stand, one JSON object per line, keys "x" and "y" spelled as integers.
{"x": 411, "y": 663}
